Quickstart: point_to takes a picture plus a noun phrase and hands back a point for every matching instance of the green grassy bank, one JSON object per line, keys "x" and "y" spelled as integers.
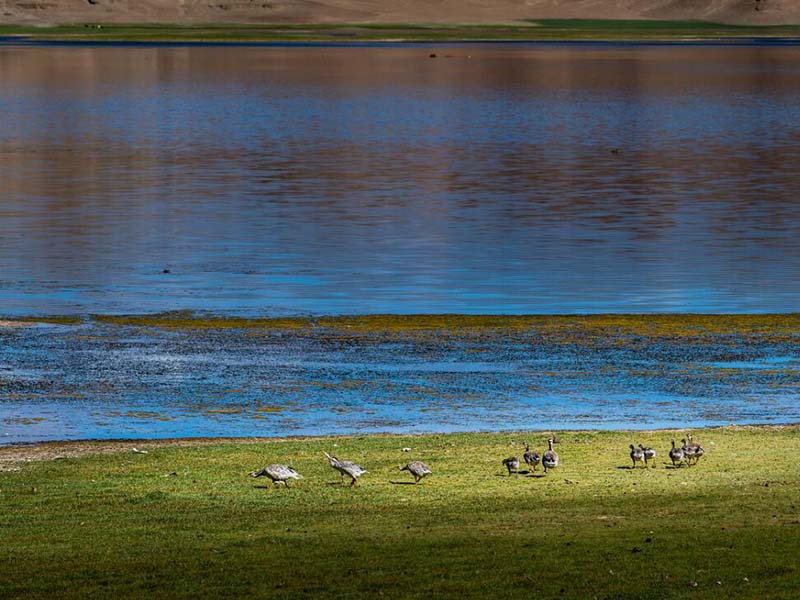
{"x": 188, "y": 521}
{"x": 534, "y": 30}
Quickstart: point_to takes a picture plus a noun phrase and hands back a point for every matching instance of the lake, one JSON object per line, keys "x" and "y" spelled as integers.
{"x": 324, "y": 180}
{"x": 500, "y": 178}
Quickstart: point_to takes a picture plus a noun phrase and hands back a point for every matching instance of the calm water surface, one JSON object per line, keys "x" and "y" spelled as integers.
{"x": 337, "y": 180}
{"x": 331, "y": 180}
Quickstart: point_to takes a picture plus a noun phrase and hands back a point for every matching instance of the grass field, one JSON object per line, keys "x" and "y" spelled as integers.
{"x": 188, "y": 521}
{"x": 539, "y": 30}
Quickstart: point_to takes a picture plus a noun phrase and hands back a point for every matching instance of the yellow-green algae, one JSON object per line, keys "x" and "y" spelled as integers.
{"x": 187, "y": 521}
{"x": 651, "y": 325}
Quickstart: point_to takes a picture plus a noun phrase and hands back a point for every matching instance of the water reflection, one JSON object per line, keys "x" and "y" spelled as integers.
{"x": 364, "y": 180}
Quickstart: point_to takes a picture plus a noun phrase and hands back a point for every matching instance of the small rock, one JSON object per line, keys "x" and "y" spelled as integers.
{"x": 432, "y": 56}
{"x": 745, "y": 579}
{"x": 692, "y": 584}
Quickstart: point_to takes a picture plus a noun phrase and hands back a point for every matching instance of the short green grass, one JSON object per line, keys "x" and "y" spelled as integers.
{"x": 533, "y": 30}
{"x": 189, "y": 522}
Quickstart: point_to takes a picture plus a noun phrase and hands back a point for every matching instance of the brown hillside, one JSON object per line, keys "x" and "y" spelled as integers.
{"x": 762, "y": 12}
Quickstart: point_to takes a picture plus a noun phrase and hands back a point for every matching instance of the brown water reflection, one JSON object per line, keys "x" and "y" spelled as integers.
{"x": 330, "y": 180}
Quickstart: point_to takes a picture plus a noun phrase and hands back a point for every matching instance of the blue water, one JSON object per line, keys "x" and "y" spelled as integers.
{"x": 108, "y": 381}
{"x": 328, "y": 180}
{"x": 275, "y": 180}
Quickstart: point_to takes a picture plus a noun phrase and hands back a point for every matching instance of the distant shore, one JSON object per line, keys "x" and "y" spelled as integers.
{"x": 548, "y": 30}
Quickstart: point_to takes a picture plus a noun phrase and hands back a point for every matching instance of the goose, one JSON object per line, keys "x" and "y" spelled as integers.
{"x": 676, "y": 455}
{"x": 277, "y": 473}
{"x": 532, "y": 459}
{"x": 637, "y": 455}
{"x": 418, "y": 469}
{"x": 550, "y": 457}
{"x": 511, "y": 463}
{"x": 649, "y": 454}
{"x": 346, "y": 467}
{"x": 697, "y": 448}
{"x": 688, "y": 452}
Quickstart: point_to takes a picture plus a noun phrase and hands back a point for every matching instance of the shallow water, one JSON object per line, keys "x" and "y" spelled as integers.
{"x": 275, "y": 180}
{"x": 111, "y": 381}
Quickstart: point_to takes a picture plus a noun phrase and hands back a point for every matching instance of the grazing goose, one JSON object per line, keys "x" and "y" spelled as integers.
{"x": 550, "y": 457}
{"x": 688, "y": 452}
{"x": 278, "y": 473}
{"x": 532, "y": 459}
{"x": 697, "y": 448}
{"x": 649, "y": 454}
{"x": 345, "y": 467}
{"x": 418, "y": 469}
{"x": 511, "y": 463}
{"x": 637, "y": 455}
{"x": 676, "y": 455}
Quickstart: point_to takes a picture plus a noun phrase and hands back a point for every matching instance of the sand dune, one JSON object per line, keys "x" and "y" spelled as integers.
{"x": 760, "y": 12}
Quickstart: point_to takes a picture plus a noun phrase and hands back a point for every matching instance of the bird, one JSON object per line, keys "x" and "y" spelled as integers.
{"x": 637, "y": 455}
{"x": 345, "y": 467}
{"x": 688, "y": 452}
{"x": 532, "y": 459}
{"x": 277, "y": 473}
{"x": 696, "y": 448}
{"x": 649, "y": 454}
{"x": 418, "y": 469}
{"x": 550, "y": 457}
{"x": 676, "y": 455}
{"x": 511, "y": 463}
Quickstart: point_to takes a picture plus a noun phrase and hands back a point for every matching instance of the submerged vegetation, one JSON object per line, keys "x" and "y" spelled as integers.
{"x": 188, "y": 521}
{"x": 533, "y": 30}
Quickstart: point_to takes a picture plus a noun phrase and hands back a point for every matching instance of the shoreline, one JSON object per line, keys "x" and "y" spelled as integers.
{"x": 543, "y": 31}
{"x": 16, "y": 453}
